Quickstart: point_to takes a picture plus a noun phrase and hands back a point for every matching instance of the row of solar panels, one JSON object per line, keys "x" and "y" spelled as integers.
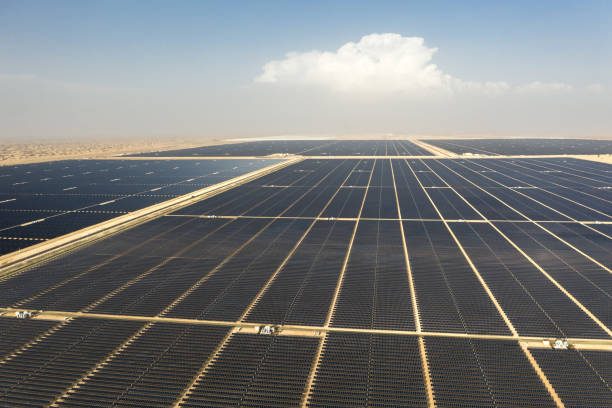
{"x": 214, "y": 269}
{"x": 524, "y": 146}
{"x": 397, "y": 147}
{"x": 99, "y": 363}
{"x": 304, "y": 189}
{"x": 39, "y": 201}
{"x": 110, "y": 172}
{"x": 302, "y": 147}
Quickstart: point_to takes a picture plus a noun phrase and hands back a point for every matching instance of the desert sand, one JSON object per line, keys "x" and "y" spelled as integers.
{"x": 604, "y": 158}
{"x": 12, "y": 153}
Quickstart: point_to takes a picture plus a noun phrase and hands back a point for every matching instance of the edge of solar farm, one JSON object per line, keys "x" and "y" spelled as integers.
{"x": 15, "y": 262}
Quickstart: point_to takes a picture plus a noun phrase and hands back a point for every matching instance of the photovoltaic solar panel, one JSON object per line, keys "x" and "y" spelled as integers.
{"x": 575, "y": 379}
{"x": 96, "y": 191}
{"x": 175, "y": 276}
{"x": 8, "y": 245}
{"x": 529, "y": 209}
{"x": 413, "y": 200}
{"x": 375, "y": 291}
{"x": 16, "y": 333}
{"x": 302, "y": 147}
{"x": 253, "y": 370}
{"x": 585, "y": 238}
{"x": 346, "y": 203}
{"x": 523, "y": 146}
{"x": 302, "y": 292}
{"x": 601, "y": 363}
{"x": 584, "y": 197}
{"x": 605, "y": 228}
{"x": 488, "y": 205}
{"x": 380, "y": 203}
{"x": 587, "y": 282}
{"x": 228, "y": 291}
{"x": 449, "y": 294}
{"x": 153, "y": 370}
{"x": 534, "y": 306}
{"x": 462, "y": 278}
{"x": 483, "y": 373}
{"x": 46, "y": 369}
{"x": 451, "y": 206}
{"x": 360, "y": 369}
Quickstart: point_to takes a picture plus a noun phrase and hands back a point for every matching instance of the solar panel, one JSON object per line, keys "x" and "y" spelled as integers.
{"x": 302, "y": 147}
{"x": 450, "y": 297}
{"x": 154, "y": 369}
{"x": 46, "y": 200}
{"x": 313, "y": 291}
{"x": 524, "y": 146}
{"x": 16, "y": 333}
{"x": 575, "y": 379}
{"x": 253, "y": 370}
{"x": 483, "y": 373}
{"x": 532, "y": 303}
{"x": 302, "y": 292}
{"x": 360, "y": 369}
{"x": 375, "y": 291}
{"x": 47, "y": 368}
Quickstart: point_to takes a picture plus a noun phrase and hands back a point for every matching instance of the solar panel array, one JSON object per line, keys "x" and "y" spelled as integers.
{"x": 524, "y": 146}
{"x": 45, "y": 200}
{"x": 395, "y": 283}
{"x": 302, "y": 147}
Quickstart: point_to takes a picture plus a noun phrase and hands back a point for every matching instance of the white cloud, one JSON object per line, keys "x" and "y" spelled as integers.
{"x": 378, "y": 62}
{"x": 383, "y": 63}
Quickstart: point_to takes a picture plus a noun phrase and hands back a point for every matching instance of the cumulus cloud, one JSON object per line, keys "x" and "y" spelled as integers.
{"x": 378, "y": 62}
{"x": 383, "y": 63}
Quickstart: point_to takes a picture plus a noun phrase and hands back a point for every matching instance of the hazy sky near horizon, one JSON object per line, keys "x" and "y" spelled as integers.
{"x": 72, "y": 69}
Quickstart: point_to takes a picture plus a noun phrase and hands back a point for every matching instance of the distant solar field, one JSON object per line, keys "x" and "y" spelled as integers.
{"x": 303, "y": 147}
{"x": 524, "y": 146}
{"x": 45, "y": 200}
{"x": 394, "y": 282}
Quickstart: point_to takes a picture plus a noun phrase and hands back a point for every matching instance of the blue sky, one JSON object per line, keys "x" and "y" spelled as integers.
{"x": 160, "y": 49}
